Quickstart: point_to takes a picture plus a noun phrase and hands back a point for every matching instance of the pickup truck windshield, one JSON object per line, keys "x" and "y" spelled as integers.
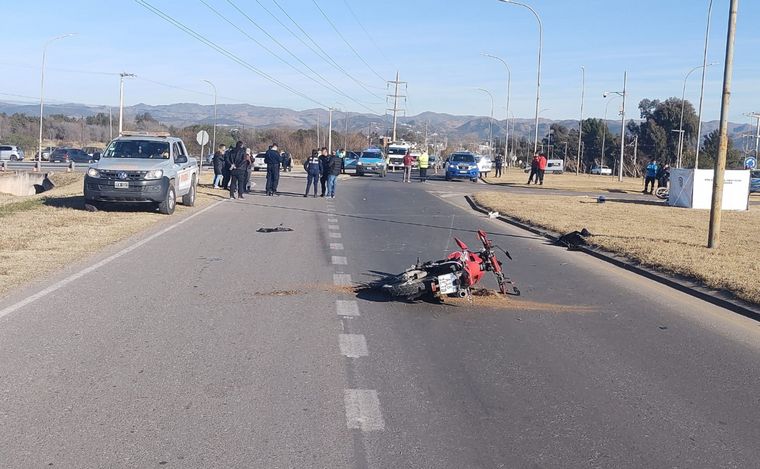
{"x": 462, "y": 158}
{"x": 371, "y": 155}
{"x": 137, "y": 149}
{"x": 397, "y": 151}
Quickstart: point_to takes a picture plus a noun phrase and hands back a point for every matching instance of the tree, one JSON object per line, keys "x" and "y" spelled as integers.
{"x": 709, "y": 152}
{"x": 658, "y": 134}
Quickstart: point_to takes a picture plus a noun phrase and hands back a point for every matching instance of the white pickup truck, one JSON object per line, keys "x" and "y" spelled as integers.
{"x": 143, "y": 167}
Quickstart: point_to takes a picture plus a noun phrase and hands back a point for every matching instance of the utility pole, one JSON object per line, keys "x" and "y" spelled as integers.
{"x": 345, "y": 138}
{"x": 635, "y": 150}
{"x": 396, "y": 83}
{"x": 713, "y": 240}
{"x": 622, "y": 131}
{"x": 702, "y": 86}
{"x": 121, "y": 99}
{"x": 580, "y": 122}
{"x": 110, "y": 124}
{"x": 564, "y": 160}
{"x": 329, "y": 132}
{"x": 319, "y": 142}
{"x": 756, "y": 115}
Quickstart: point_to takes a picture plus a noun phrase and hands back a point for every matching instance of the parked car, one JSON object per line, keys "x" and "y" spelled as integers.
{"x": 65, "y": 155}
{"x": 372, "y": 161}
{"x": 462, "y": 165}
{"x": 11, "y": 153}
{"x": 754, "y": 181}
{"x": 258, "y": 161}
{"x": 350, "y": 160}
{"x": 604, "y": 170}
{"x": 555, "y": 166}
{"x": 484, "y": 164}
{"x": 45, "y": 153}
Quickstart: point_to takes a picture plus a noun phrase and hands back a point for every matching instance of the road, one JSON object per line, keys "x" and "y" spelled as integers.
{"x": 212, "y": 345}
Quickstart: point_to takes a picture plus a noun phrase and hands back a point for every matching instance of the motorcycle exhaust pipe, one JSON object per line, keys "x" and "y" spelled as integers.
{"x": 462, "y": 293}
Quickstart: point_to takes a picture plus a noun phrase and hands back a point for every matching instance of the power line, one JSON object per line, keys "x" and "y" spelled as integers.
{"x": 224, "y": 51}
{"x": 351, "y": 10}
{"x": 331, "y": 60}
{"x": 327, "y": 85}
{"x": 337, "y": 31}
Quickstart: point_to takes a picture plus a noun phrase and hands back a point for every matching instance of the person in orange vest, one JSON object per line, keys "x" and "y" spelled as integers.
{"x": 541, "y": 168}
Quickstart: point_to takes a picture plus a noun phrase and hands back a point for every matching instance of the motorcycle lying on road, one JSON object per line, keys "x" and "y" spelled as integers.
{"x": 453, "y": 276}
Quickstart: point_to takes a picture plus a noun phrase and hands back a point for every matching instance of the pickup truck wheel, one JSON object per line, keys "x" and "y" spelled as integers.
{"x": 170, "y": 201}
{"x": 448, "y": 178}
{"x": 188, "y": 199}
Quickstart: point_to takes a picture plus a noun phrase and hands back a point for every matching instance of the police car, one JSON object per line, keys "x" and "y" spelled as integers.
{"x": 143, "y": 167}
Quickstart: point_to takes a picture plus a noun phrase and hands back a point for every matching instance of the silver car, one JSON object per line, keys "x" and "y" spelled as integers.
{"x": 11, "y": 153}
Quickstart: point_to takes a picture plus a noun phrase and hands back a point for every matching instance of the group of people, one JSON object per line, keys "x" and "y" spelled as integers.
{"x": 232, "y": 169}
{"x": 324, "y": 168}
{"x": 537, "y": 169}
{"x": 655, "y": 172}
{"x": 423, "y": 163}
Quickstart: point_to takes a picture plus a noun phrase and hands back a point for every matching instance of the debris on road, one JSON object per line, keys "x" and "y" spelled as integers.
{"x": 574, "y": 239}
{"x": 276, "y": 229}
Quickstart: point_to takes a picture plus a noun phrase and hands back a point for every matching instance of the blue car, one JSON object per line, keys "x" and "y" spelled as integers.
{"x": 349, "y": 161}
{"x": 372, "y": 160}
{"x": 462, "y": 165}
{"x": 754, "y": 182}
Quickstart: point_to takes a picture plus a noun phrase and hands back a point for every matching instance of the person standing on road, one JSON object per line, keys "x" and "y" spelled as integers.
{"x": 333, "y": 171}
{"x": 542, "y": 162}
{"x": 248, "y": 183}
{"x": 218, "y": 162}
{"x": 663, "y": 176}
{"x": 238, "y": 170}
{"x": 273, "y": 160}
{"x": 313, "y": 168}
{"x": 287, "y": 161}
{"x": 424, "y": 162}
{"x": 226, "y": 174}
{"x": 324, "y": 159}
{"x": 650, "y": 176}
{"x": 533, "y": 170}
{"x": 341, "y": 153}
{"x": 408, "y": 160}
{"x": 498, "y": 163}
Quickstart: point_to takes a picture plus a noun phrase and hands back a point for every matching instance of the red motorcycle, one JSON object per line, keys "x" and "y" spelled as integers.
{"x": 453, "y": 276}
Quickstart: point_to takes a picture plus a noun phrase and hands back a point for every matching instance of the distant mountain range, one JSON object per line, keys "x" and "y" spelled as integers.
{"x": 438, "y": 125}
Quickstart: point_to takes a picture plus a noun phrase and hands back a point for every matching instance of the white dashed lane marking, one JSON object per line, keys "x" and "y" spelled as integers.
{"x": 363, "y": 410}
{"x": 332, "y": 220}
{"x": 352, "y": 345}
{"x": 333, "y": 227}
{"x": 347, "y": 308}
{"x": 336, "y": 246}
{"x": 342, "y": 280}
{"x": 339, "y": 260}
{"x": 335, "y": 235}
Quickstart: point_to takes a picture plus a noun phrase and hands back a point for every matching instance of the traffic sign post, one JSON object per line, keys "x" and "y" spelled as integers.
{"x": 750, "y": 162}
{"x": 202, "y": 139}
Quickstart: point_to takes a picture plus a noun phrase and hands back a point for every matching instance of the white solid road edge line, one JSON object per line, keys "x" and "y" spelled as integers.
{"x": 62, "y": 283}
{"x": 363, "y": 410}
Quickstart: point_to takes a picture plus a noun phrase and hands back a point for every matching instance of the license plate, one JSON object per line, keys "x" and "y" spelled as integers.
{"x": 121, "y": 184}
{"x": 446, "y": 284}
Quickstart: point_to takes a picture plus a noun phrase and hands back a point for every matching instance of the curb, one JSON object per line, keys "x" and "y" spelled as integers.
{"x": 686, "y": 285}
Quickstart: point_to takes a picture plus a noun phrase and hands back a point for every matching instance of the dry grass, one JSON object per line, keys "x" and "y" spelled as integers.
{"x": 45, "y": 232}
{"x": 570, "y": 182}
{"x": 668, "y": 239}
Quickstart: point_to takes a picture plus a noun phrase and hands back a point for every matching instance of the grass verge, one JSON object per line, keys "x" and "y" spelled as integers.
{"x": 48, "y": 231}
{"x": 668, "y": 239}
{"x": 569, "y": 182}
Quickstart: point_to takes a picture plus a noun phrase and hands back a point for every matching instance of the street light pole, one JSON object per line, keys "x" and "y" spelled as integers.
{"x": 42, "y": 86}
{"x": 683, "y": 104}
{"x": 121, "y": 99}
{"x": 509, "y": 93}
{"x": 604, "y": 132}
{"x": 580, "y": 122}
{"x": 538, "y": 73}
{"x": 622, "y": 130}
{"x": 329, "y": 132}
{"x": 490, "y": 123}
{"x": 213, "y": 139}
{"x": 702, "y": 86}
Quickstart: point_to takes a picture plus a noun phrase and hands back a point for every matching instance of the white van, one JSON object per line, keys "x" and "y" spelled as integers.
{"x": 555, "y": 166}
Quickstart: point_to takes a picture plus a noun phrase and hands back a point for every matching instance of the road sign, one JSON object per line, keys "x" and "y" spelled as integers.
{"x": 202, "y": 137}
{"x": 750, "y": 162}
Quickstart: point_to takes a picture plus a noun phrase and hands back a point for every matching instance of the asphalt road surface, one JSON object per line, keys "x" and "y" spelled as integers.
{"x": 208, "y": 344}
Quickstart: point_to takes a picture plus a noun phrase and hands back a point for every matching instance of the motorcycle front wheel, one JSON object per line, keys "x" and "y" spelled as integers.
{"x": 661, "y": 192}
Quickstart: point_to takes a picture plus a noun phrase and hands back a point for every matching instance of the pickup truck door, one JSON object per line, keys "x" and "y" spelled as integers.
{"x": 184, "y": 169}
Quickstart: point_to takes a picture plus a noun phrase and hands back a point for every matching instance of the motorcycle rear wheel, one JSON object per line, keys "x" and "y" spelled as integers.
{"x": 408, "y": 285}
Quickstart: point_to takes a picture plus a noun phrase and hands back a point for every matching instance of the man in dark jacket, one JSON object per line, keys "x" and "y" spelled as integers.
{"x": 218, "y": 161}
{"x": 533, "y": 170}
{"x": 226, "y": 168}
{"x": 273, "y": 161}
{"x": 498, "y": 163}
{"x": 313, "y": 168}
{"x": 238, "y": 165}
{"x": 323, "y": 159}
{"x": 333, "y": 170}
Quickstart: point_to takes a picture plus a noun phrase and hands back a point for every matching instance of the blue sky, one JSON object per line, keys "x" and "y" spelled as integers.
{"x": 435, "y": 45}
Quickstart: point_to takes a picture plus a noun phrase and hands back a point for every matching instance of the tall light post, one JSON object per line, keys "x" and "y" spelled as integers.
{"x": 604, "y": 131}
{"x": 490, "y": 123}
{"x": 622, "y": 124}
{"x": 580, "y": 122}
{"x": 122, "y": 76}
{"x": 213, "y": 138}
{"x": 683, "y": 104}
{"x": 509, "y": 93}
{"x": 42, "y": 86}
{"x": 702, "y": 86}
{"x": 538, "y": 74}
